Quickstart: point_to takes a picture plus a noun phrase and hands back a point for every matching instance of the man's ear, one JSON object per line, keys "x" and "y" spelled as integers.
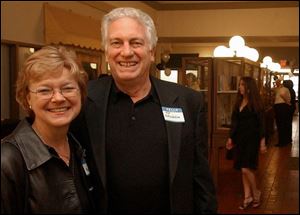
{"x": 152, "y": 51}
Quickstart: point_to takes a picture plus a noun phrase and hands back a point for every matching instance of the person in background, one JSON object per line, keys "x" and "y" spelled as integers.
{"x": 247, "y": 135}
{"x": 289, "y": 84}
{"x": 43, "y": 167}
{"x": 148, "y": 137}
{"x": 282, "y": 109}
{"x": 192, "y": 81}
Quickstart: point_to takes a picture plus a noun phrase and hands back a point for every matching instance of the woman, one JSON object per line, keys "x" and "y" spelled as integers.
{"x": 247, "y": 136}
{"x": 43, "y": 168}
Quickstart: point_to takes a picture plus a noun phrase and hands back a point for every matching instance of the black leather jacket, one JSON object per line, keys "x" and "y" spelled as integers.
{"x": 35, "y": 180}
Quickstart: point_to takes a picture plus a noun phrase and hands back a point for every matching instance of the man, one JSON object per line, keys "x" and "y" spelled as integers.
{"x": 289, "y": 85}
{"x": 148, "y": 137}
{"x": 282, "y": 113}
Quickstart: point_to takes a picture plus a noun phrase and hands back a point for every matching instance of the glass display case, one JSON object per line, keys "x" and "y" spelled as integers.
{"x": 227, "y": 74}
{"x": 266, "y": 87}
{"x": 196, "y": 73}
{"x": 267, "y": 77}
{"x": 218, "y": 79}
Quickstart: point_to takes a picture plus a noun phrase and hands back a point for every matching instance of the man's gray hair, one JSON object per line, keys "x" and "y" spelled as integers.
{"x": 137, "y": 14}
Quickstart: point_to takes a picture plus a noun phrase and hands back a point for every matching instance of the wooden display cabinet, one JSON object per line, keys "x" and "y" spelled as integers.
{"x": 227, "y": 73}
{"x": 267, "y": 77}
{"x": 201, "y": 70}
{"x": 218, "y": 79}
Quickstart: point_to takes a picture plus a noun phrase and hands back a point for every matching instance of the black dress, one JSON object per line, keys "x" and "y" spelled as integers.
{"x": 246, "y": 132}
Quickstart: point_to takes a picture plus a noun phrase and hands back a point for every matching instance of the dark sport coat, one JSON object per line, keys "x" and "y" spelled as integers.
{"x": 190, "y": 182}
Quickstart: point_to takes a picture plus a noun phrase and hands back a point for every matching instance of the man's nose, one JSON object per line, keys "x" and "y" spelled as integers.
{"x": 127, "y": 50}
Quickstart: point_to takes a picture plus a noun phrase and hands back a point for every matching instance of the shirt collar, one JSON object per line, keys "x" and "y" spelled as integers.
{"x": 34, "y": 151}
{"x": 117, "y": 94}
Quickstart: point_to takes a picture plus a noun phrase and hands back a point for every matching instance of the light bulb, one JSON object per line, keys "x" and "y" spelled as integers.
{"x": 267, "y": 60}
{"x": 222, "y": 51}
{"x": 165, "y": 57}
{"x": 236, "y": 42}
{"x": 93, "y": 65}
{"x": 253, "y": 54}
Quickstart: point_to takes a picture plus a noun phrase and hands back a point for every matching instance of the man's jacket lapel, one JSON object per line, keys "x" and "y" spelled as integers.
{"x": 98, "y": 94}
{"x": 170, "y": 99}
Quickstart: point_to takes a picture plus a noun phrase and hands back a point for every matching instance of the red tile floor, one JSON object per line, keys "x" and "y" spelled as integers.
{"x": 277, "y": 177}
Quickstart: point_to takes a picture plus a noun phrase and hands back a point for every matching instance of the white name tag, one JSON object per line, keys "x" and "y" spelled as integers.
{"x": 173, "y": 114}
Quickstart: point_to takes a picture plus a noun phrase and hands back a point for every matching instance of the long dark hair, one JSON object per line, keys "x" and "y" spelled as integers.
{"x": 252, "y": 93}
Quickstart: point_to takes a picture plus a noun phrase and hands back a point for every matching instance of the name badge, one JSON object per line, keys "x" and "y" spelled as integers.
{"x": 173, "y": 114}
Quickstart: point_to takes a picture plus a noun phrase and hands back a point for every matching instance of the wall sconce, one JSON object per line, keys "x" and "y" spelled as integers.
{"x": 165, "y": 57}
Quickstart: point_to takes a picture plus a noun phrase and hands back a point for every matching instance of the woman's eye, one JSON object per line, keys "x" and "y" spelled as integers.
{"x": 44, "y": 90}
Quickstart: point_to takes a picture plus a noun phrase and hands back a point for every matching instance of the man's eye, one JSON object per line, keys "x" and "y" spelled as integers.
{"x": 137, "y": 44}
{"x": 115, "y": 44}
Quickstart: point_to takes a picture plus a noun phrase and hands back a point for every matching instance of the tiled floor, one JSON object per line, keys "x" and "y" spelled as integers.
{"x": 277, "y": 177}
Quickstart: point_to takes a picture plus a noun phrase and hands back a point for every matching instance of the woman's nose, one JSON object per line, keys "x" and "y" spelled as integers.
{"x": 58, "y": 96}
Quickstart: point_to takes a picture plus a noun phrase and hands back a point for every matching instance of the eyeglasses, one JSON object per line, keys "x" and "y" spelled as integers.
{"x": 47, "y": 93}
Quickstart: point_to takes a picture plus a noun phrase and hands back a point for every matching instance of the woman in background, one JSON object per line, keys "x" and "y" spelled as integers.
{"x": 43, "y": 168}
{"x": 247, "y": 135}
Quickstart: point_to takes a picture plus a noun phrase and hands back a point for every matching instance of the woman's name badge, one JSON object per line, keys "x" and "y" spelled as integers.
{"x": 173, "y": 114}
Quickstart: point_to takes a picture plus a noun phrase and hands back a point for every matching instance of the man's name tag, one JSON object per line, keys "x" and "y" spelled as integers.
{"x": 173, "y": 114}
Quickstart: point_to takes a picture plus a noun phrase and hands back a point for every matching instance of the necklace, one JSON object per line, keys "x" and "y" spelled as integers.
{"x": 64, "y": 156}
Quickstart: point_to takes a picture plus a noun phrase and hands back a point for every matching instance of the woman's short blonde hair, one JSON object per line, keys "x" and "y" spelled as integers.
{"x": 46, "y": 62}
